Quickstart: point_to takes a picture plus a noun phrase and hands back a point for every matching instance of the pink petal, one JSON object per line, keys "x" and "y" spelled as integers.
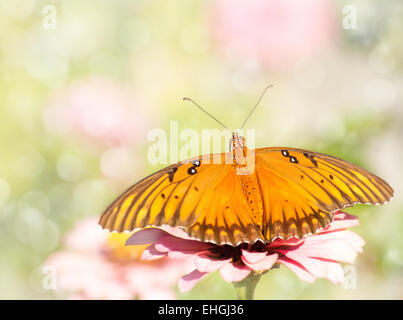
{"x": 332, "y": 249}
{"x": 347, "y": 222}
{"x": 289, "y": 242}
{"x": 353, "y": 239}
{"x": 188, "y": 281}
{"x": 204, "y": 263}
{"x": 146, "y": 236}
{"x": 165, "y": 243}
{"x": 253, "y": 256}
{"x": 340, "y": 215}
{"x": 258, "y": 262}
{"x": 175, "y": 231}
{"x": 171, "y": 243}
{"x": 314, "y": 266}
{"x": 180, "y": 254}
{"x": 332, "y": 270}
{"x": 231, "y": 273}
{"x": 335, "y": 272}
{"x": 299, "y": 270}
{"x": 150, "y": 253}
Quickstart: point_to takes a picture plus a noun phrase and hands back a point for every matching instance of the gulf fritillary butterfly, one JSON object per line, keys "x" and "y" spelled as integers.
{"x": 290, "y": 193}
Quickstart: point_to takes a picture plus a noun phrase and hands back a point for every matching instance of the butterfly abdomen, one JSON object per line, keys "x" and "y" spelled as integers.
{"x": 253, "y": 196}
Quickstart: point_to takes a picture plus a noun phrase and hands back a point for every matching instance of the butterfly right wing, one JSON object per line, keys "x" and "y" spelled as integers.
{"x": 302, "y": 189}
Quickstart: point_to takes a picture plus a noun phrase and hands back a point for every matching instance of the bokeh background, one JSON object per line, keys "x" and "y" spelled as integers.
{"x": 83, "y": 82}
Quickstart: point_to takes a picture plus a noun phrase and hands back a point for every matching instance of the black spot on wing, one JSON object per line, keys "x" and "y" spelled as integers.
{"x": 311, "y": 157}
{"x": 293, "y": 159}
{"x": 171, "y": 173}
{"x": 285, "y": 153}
{"x": 196, "y": 163}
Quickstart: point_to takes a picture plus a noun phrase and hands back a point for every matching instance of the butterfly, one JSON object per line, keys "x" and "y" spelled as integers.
{"x": 247, "y": 195}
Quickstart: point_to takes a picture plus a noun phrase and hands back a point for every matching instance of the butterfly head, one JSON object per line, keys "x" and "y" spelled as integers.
{"x": 238, "y": 147}
{"x": 237, "y": 141}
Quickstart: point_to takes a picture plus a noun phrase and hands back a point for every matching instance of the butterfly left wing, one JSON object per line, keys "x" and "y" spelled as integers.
{"x": 301, "y": 189}
{"x": 205, "y": 198}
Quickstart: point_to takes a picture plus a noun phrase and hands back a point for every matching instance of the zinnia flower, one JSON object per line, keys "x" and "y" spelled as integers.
{"x": 96, "y": 265}
{"x": 99, "y": 110}
{"x": 315, "y": 256}
{"x": 275, "y": 33}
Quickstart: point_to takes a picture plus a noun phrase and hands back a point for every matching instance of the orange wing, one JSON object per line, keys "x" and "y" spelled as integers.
{"x": 207, "y": 200}
{"x": 301, "y": 189}
{"x": 291, "y": 192}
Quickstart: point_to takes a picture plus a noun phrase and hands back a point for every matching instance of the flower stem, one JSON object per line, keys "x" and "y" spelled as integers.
{"x": 245, "y": 289}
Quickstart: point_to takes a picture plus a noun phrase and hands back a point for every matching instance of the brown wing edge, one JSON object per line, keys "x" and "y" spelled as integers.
{"x": 106, "y": 215}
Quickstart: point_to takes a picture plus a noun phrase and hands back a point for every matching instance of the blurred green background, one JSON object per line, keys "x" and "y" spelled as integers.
{"x": 82, "y": 82}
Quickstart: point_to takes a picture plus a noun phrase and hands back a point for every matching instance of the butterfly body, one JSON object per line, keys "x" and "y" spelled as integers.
{"x": 246, "y": 195}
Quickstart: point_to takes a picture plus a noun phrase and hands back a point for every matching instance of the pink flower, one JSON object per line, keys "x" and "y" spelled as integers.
{"x": 276, "y": 33}
{"x": 96, "y": 265}
{"x": 315, "y": 256}
{"x": 100, "y": 110}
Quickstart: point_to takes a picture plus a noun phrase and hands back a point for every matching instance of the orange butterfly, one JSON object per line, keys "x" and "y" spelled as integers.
{"x": 289, "y": 193}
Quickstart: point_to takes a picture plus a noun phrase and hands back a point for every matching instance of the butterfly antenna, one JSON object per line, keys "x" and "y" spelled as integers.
{"x": 257, "y": 103}
{"x": 210, "y": 115}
